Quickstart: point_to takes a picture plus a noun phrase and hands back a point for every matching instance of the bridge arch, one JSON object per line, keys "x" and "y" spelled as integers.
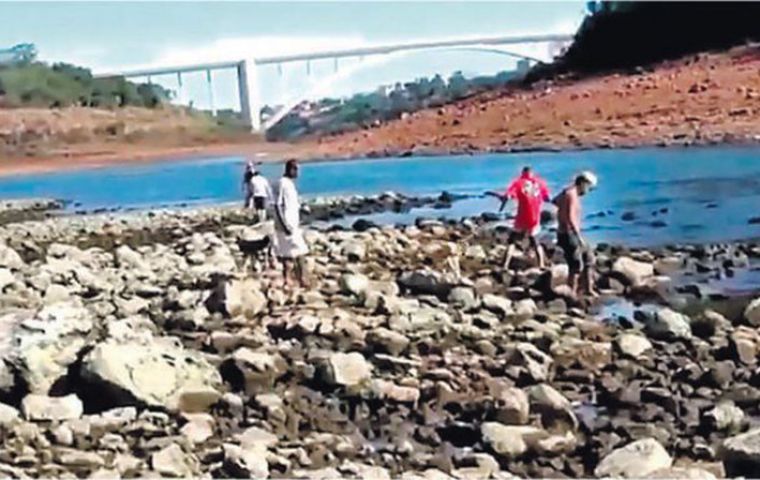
{"x": 328, "y": 81}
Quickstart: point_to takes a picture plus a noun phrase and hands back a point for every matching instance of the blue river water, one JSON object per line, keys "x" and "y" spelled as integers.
{"x": 674, "y": 195}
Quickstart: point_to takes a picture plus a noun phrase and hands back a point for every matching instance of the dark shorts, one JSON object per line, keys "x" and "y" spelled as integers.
{"x": 576, "y": 255}
{"x": 259, "y": 203}
{"x": 517, "y": 235}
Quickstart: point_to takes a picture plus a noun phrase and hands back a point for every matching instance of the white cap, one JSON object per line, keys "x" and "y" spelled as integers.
{"x": 589, "y": 177}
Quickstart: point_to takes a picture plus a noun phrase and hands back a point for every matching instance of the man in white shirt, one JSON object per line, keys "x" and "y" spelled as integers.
{"x": 289, "y": 242}
{"x": 261, "y": 193}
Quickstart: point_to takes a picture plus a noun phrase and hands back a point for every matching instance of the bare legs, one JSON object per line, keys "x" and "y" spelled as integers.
{"x": 537, "y": 250}
{"x": 294, "y": 267}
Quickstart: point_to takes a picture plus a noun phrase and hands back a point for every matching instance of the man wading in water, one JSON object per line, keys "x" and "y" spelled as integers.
{"x": 289, "y": 242}
{"x": 578, "y": 254}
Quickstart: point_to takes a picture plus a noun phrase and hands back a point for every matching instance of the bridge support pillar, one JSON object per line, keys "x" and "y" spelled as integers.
{"x": 248, "y": 89}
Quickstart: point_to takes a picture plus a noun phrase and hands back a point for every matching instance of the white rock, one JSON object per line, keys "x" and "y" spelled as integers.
{"x": 741, "y": 454}
{"x": 512, "y": 406}
{"x": 348, "y": 369}
{"x": 8, "y": 415}
{"x": 160, "y": 374}
{"x": 6, "y": 278}
{"x": 752, "y": 312}
{"x": 511, "y": 441}
{"x": 667, "y": 324}
{"x": 463, "y": 297}
{"x": 633, "y": 345}
{"x": 497, "y": 304}
{"x": 726, "y": 416}
{"x": 634, "y": 460}
{"x": 354, "y": 284}
{"x": 9, "y": 258}
{"x": 42, "y": 407}
{"x": 171, "y": 461}
{"x": 634, "y": 271}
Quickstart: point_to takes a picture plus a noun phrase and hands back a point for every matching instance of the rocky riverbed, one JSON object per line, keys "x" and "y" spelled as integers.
{"x": 136, "y": 345}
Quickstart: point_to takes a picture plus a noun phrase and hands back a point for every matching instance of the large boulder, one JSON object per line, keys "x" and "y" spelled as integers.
{"x": 635, "y": 460}
{"x": 632, "y": 345}
{"x": 9, "y": 258}
{"x": 752, "y": 312}
{"x": 253, "y": 371}
{"x": 44, "y": 408}
{"x": 41, "y": 346}
{"x": 741, "y": 454}
{"x": 590, "y": 355}
{"x": 159, "y": 374}
{"x": 234, "y": 298}
{"x": 463, "y": 298}
{"x": 347, "y": 369}
{"x": 425, "y": 282}
{"x": 632, "y": 271}
{"x": 354, "y": 284}
{"x": 666, "y": 324}
{"x": 172, "y": 461}
{"x": 510, "y": 441}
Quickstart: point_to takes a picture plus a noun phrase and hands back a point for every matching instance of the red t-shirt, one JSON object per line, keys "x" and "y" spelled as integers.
{"x": 530, "y": 191}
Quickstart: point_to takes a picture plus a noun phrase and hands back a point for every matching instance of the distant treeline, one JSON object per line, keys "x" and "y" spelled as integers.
{"x": 36, "y": 84}
{"x": 625, "y": 35}
{"x": 332, "y": 116}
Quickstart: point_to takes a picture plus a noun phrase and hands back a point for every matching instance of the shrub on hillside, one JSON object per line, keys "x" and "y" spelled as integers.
{"x": 61, "y": 85}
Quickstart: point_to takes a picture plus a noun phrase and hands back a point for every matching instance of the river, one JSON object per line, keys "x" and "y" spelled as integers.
{"x": 674, "y": 195}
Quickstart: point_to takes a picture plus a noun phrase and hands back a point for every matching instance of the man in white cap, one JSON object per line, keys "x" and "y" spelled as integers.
{"x": 578, "y": 254}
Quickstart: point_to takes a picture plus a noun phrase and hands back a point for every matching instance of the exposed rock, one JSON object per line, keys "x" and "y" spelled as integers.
{"x": 684, "y": 473}
{"x": 41, "y": 346}
{"x": 347, "y": 369}
{"x": 633, "y": 271}
{"x": 41, "y": 407}
{"x": 463, "y": 298}
{"x": 752, "y": 313}
{"x": 512, "y": 406}
{"x": 497, "y": 304}
{"x": 161, "y": 374}
{"x": 354, "y": 284}
{"x": 237, "y": 297}
{"x": 666, "y": 324}
{"x": 510, "y": 441}
{"x": 633, "y": 345}
{"x": 741, "y": 454}
{"x": 726, "y": 416}
{"x": 8, "y": 414}
{"x": 389, "y": 341}
{"x": 171, "y": 461}
{"x": 244, "y": 462}
{"x": 9, "y": 258}
{"x": 635, "y": 460}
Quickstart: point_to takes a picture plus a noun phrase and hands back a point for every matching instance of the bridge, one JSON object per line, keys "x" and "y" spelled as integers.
{"x": 247, "y": 78}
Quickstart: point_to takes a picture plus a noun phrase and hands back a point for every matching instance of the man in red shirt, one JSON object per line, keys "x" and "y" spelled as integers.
{"x": 531, "y": 191}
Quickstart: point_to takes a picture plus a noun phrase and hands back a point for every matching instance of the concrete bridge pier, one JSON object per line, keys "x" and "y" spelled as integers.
{"x": 248, "y": 90}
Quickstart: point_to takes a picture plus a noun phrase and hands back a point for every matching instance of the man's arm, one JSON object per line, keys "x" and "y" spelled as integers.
{"x": 575, "y": 217}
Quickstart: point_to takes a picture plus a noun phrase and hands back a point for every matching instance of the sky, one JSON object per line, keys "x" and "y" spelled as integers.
{"x": 113, "y": 36}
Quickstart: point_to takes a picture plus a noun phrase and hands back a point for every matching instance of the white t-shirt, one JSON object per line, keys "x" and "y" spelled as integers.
{"x": 288, "y": 204}
{"x": 260, "y": 187}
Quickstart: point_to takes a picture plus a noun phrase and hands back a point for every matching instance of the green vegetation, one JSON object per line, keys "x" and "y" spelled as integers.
{"x": 332, "y": 116}
{"x": 627, "y": 35}
{"x": 36, "y": 84}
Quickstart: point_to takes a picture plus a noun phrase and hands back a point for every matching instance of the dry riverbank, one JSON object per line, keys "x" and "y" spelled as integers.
{"x": 705, "y": 99}
{"x": 136, "y": 346}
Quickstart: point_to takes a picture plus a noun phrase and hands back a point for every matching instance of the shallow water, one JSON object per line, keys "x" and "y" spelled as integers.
{"x": 676, "y": 195}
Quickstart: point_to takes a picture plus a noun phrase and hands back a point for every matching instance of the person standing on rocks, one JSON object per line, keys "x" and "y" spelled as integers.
{"x": 247, "y": 188}
{"x": 578, "y": 254}
{"x": 289, "y": 242}
{"x": 262, "y": 194}
{"x": 531, "y": 191}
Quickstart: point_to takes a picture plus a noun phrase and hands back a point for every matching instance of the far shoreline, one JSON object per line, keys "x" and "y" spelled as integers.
{"x": 274, "y": 152}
